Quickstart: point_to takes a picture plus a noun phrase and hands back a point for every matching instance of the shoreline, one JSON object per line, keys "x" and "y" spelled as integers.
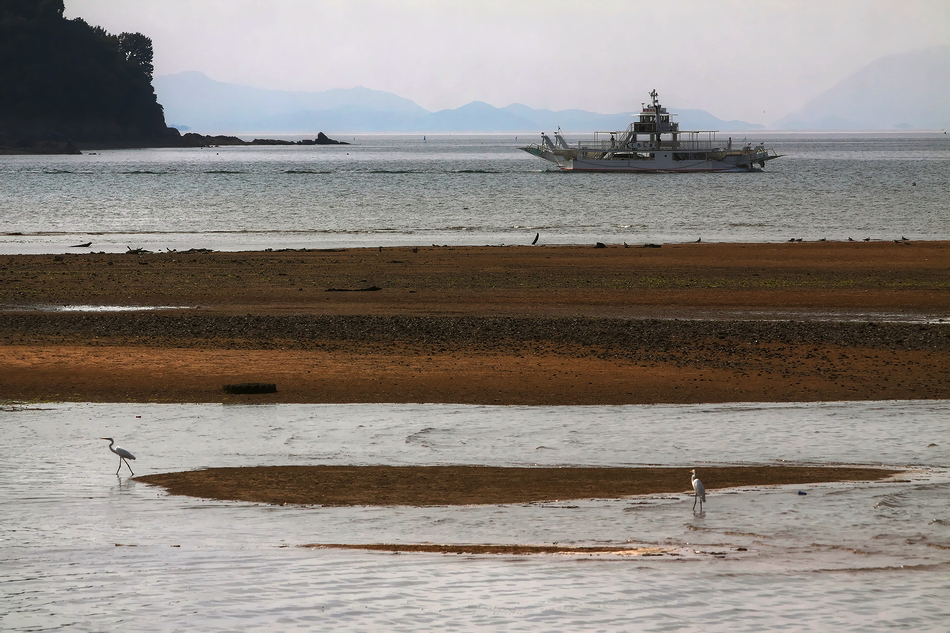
{"x": 685, "y": 323}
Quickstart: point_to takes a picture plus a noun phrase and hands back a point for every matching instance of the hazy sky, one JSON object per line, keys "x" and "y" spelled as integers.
{"x": 753, "y": 60}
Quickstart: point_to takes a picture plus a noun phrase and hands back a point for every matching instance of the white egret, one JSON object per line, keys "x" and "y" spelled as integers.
{"x": 699, "y": 491}
{"x": 121, "y": 452}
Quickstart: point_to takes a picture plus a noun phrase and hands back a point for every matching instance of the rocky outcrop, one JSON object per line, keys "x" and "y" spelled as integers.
{"x": 322, "y": 139}
{"x": 201, "y": 140}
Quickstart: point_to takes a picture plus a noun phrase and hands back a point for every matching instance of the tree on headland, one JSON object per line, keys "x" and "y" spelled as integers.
{"x": 66, "y": 80}
{"x": 138, "y": 50}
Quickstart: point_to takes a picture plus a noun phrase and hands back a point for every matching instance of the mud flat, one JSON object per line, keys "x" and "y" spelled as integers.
{"x": 683, "y": 323}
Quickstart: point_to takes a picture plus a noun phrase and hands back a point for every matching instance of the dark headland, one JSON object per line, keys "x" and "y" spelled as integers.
{"x": 69, "y": 86}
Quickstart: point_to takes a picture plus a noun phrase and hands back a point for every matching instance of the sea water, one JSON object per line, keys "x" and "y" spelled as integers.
{"x": 391, "y": 191}
{"x": 83, "y": 549}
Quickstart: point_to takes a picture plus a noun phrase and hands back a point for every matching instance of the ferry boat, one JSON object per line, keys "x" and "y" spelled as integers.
{"x": 642, "y": 148}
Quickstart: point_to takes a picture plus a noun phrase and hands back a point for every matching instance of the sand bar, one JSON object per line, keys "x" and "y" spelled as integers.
{"x": 465, "y": 485}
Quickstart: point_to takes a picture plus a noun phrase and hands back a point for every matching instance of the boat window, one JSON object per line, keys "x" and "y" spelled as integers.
{"x": 633, "y": 155}
{"x": 698, "y": 155}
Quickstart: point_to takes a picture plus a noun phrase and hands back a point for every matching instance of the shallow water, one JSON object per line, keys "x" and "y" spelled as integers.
{"x": 48, "y": 307}
{"x": 463, "y": 190}
{"x": 83, "y": 549}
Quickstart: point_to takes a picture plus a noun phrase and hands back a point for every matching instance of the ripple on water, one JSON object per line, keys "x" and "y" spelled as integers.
{"x": 86, "y": 550}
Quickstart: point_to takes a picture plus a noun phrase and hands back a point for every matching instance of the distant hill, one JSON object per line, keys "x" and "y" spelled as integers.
{"x": 191, "y": 99}
{"x": 65, "y": 81}
{"x": 909, "y": 91}
{"x": 194, "y": 101}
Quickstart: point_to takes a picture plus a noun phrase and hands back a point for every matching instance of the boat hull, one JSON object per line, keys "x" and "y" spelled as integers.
{"x": 661, "y": 162}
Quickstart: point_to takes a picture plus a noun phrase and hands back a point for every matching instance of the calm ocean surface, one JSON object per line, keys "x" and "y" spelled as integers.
{"x": 463, "y": 190}
{"x": 84, "y": 550}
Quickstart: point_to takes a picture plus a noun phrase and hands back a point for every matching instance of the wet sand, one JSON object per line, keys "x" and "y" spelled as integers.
{"x": 551, "y": 325}
{"x": 468, "y": 485}
{"x": 674, "y": 281}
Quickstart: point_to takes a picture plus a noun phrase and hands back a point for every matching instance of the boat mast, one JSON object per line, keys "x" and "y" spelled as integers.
{"x": 656, "y": 117}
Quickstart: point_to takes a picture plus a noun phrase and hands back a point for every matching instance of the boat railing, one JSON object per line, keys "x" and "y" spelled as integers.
{"x": 616, "y": 145}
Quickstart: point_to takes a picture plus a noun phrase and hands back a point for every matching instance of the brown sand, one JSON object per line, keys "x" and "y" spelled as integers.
{"x": 463, "y": 485}
{"x": 680, "y": 280}
{"x": 506, "y": 325}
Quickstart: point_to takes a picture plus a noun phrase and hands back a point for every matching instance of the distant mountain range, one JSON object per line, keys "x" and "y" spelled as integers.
{"x": 906, "y": 91}
{"x": 898, "y": 92}
{"x": 195, "y": 102}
